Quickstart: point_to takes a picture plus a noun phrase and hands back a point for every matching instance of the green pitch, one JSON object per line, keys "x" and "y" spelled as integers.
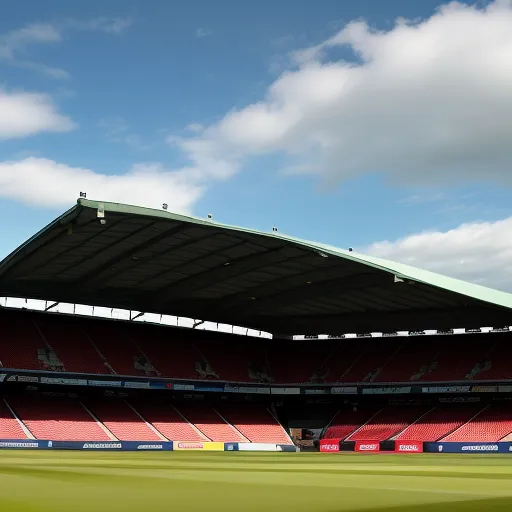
{"x": 210, "y": 482}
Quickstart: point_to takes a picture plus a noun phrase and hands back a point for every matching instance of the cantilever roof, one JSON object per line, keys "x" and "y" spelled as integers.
{"x": 156, "y": 261}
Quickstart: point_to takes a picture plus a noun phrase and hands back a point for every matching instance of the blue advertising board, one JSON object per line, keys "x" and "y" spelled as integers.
{"x": 468, "y": 447}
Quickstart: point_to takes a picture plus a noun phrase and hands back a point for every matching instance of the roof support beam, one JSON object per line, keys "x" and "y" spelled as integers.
{"x": 302, "y": 291}
{"x": 188, "y": 286}
{"x": 102, "y": 271}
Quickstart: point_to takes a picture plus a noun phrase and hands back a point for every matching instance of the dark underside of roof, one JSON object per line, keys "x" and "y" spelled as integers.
{"x": 200, "y": 270}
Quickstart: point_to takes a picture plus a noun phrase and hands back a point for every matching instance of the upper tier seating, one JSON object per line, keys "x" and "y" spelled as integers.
{"x": 370, "y": 363}
{"x": 169, "y": 354}
{"x": 122, "y": 420}
{"x": 255, "y": 423}
{"x": 412, "y": 361}
{"x": 438, "y": 422}
{"x": 387, "y": 423}
{"x": 9, "y": 425}
{"x": 57, "y": 419}
{"x": 167, "y": 420}
{"x": 490, "y": 425}
{"x": 99, "y": 346}
{"x": 19, "y": 341}
{"x": 208, "y": 421}
{"x": 115, "y": 343}
{"x": 68, "y": 339}
{"x": 457, "y": 357}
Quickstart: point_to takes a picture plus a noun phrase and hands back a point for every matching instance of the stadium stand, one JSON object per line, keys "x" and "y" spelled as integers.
{"x": 255, "y": 423}
{"x": 458, "y": 355}
{"x": 412, "y": 362}
{"x": 208, "y": 421}
{"x": 123, "y": 421}
{"x": 74, "y": 348}
{"x": 20, "y": 342}
{"x": 57, "y": 419}
{"x": 490, "y": 425}
{"x": 438, "y": 422}
{"x": 346, "y": 422}
{"x": 372, "y": 360}
{"x": 167, "y": 420}
{"x": 387, "y": 423}
{"x": 58, "y": 343}
{"x": 10, "y": 427}
{"x": 109, "y": 256}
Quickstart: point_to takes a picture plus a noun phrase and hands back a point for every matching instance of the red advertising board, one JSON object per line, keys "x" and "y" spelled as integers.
{"x": 367, "y": 446}
{"x": 409, "y": 446}
{"x": 329, "y": 445}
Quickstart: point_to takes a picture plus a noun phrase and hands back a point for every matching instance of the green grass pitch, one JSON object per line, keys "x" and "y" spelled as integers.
{"x": 209, "y": 482}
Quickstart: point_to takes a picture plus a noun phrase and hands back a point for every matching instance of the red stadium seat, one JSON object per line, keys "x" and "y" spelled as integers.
{"x": 490, "y": 425}
{"x": 255, "y": 423}
{"x": 439, "y": 422}
{"x": 57, "y": 419}
{"x": 387, "y": 423}
{"x": 10, "y": 428}
{"x": 122, "y": 420}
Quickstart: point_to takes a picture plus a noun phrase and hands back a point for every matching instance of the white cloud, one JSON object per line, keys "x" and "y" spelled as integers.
{"x": 14, "y": 45}
{"x": 118, "y": 131}
{"x": 194, "y": 127}
{"x": 114, "y": 26}
{"x": 47, "y": 184}
{"x": 480, "y": 252}
{"x": 23, "y": 114}
{"x": 425, "y": 102}
{"x": 203, "y": 32}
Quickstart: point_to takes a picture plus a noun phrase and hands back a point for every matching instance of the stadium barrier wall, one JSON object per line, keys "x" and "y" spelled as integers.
{"x": 409, "y": 446}
{"x": 206, "y": 446}
{"x": 39, "y": 444}
{"x": 257, "y": 447}
{"x": 330, "y": 445}
{"x": 367, "y": 446}
{"x": 452, "y": 447}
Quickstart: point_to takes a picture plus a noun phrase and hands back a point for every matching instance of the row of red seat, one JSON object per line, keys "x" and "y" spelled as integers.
{"x": 474, "y": 423}
{"x": 102, "y": 347}
{"x": 61, "y": 419}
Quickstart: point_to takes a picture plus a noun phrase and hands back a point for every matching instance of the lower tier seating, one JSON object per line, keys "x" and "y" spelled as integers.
{"x": 122, "y": 420}
{"x": 10, "y": 427}
{"x": 57, "y": 419}
{"x": 167, "y": 420}
{"x": 347, "y": 421}
{"x": 255, "y": 423}
{"x": 210, "y": 423}
{"x": 490, "y": 425}
{"x": 438, "y": 422}
{"x": 387, "y": 423}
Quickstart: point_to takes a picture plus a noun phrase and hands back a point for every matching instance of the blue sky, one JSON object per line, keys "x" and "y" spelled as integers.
{"x": 332, "y": 121}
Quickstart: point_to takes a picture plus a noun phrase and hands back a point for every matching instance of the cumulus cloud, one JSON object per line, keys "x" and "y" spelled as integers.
{"x": 23, "y": 114}
{"x": 480, "y": 252}
{"x": 48, "y": 184}
{"x": 427, "y": 102}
